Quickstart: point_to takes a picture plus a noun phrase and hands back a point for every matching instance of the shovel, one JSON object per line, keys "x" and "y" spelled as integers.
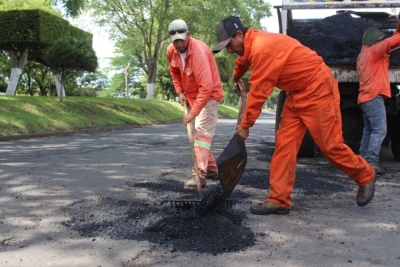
{"x": 232, "y": 161}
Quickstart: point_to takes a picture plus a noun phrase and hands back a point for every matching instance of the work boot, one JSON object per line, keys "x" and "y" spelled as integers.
{"x": 267, "y": 208}
{"x": 378, "y": 169}
{"x": 192, "y": 182}
{"x": 212, "y": 174}
{"x": 366, "y": 192}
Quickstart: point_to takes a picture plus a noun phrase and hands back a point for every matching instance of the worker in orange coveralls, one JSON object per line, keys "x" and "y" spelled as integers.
{"x": 372, "y": 67}
{"x": 312, "y": 103}
{"x": 196, "y": 80}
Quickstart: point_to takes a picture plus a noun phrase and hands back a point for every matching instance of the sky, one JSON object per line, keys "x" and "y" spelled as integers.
{"x": 104, "y": 47}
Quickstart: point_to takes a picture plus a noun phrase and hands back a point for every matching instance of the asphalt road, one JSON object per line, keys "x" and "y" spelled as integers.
{"x": 39, "y": 178}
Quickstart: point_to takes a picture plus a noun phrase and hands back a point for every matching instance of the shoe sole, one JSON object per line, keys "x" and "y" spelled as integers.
{"x": 192, "y": 187}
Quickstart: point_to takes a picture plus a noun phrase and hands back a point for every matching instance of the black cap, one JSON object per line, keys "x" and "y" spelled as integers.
{"x": 225, "y": 30}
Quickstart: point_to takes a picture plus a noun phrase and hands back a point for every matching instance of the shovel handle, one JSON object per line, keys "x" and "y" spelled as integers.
{"x": 243, "y": 99}
{"x": 191, "y": 134}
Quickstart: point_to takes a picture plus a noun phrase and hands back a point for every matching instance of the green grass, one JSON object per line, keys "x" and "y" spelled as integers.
{"x": 28, "y": 115}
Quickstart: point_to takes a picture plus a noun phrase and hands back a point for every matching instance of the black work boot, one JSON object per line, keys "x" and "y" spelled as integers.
{"x": 366, "y": 192}
{"x": 267, "y": 208}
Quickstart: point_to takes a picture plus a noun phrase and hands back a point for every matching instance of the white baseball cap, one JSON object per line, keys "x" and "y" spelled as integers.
{"x": 178, "y": 29}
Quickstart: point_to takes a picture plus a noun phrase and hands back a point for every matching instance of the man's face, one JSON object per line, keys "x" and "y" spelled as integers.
{"x": 236, "y": 44}
{"x": 182, "y": 45}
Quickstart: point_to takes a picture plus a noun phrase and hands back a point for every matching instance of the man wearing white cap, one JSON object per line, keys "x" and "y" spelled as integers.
{"x": 196, "y": 80}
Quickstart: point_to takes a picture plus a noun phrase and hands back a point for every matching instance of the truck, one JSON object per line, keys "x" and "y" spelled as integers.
{"x": 344, "y": 67}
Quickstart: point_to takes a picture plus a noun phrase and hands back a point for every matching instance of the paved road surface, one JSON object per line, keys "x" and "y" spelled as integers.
{"x": 40, "y": 177}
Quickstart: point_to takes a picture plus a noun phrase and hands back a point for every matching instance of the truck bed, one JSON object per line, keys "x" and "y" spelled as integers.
{"x": 349, "y": 74}
{"x": 338, "y": 38}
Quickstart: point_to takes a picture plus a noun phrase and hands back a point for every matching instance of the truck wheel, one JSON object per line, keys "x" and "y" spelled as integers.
{"x": 393, "y": 122}
{"x": 352, "y": 126}
{"x": 308, "y": 147}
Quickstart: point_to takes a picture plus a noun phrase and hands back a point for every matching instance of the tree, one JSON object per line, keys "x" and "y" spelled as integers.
{"x": 4, "y": 70}
{"x": 70, "y": 53}
{"x": 144, "y": 24}
{"x": 164, "y": 79}
{"x": 24, "y": 32}
{"x": 72, "y": 8}
{"x": 123, "y": 57}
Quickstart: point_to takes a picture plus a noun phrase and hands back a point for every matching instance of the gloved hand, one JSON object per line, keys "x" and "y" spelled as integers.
{"x": 238, "y": 84}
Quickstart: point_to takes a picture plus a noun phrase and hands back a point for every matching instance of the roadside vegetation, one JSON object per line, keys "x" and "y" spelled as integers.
{"x": 28, "y": 115}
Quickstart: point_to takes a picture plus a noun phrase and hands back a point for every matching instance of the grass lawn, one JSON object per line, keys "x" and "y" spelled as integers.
{"x": 28, "y": 115}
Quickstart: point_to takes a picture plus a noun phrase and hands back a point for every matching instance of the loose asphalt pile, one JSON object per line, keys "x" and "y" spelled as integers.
{"x": 338, "y": 39}
{"x": 207, "y": 228}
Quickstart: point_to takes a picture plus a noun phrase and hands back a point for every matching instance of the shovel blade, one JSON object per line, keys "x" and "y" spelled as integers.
{"x": 231, "y": 164}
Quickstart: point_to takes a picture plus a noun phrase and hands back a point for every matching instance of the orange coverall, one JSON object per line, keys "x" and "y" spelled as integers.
{"x": 200, "y": 82}
{"x": 313, "y": 103}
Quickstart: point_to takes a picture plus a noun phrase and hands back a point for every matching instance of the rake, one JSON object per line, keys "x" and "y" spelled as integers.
{"x": 184, "y": 204}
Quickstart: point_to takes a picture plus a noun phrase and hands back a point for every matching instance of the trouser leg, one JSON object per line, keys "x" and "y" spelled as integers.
{"x": 365, "y": 137}
{"x": 323, "y": 120}
{"x": 375, "y": 112}
{"x": 205, "y": 125}
{"x": 283, "y": 163}
{"x": 202, "y": 150}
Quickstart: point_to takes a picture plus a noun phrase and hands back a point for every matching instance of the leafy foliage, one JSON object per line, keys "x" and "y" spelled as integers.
{"x": 72, "y": 8}
{"x": 72, "y": 53}
{"x": 144, "y": 23}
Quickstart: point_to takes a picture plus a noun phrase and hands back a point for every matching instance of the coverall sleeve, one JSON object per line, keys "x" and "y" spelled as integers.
{"x": 241, "y": 67}
{"x": 382, "y": 48}
{"x": 266, "y": 70}
{"x": 202, "y": 74}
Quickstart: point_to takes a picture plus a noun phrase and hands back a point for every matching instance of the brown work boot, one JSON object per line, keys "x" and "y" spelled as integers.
{"x": 192, "y": 182}
{"x": 211, "y": 174}
{"x": 366, "y": 192}
{"x": 378, "y": 169}
{"x": 267, "y": 208}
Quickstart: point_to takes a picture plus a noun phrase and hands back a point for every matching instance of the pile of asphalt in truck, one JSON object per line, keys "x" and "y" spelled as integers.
{"x": 338, "y": 38}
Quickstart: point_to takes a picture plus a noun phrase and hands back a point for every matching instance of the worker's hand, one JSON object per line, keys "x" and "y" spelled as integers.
{"x": 242, "y": 132}
{"x": 182, "y": 98}
{"x": 188, "y": 118}
{"x": 239, "y": 87}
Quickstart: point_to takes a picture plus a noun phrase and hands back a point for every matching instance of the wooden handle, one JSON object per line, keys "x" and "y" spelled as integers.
{"x": 191, "y": 134}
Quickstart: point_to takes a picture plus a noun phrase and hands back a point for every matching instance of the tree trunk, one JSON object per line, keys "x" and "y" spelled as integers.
{"x": 151, "y": 81}
{"x": 58, "y": 81}
{"x": 17, "y": 65}
{"x": 59, "y": 87}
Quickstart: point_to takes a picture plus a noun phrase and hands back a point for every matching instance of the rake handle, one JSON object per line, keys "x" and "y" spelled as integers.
{"x": 191, "y": 135}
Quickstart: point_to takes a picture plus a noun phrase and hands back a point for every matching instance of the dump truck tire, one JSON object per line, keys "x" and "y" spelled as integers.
{"x": 393, "y": 127}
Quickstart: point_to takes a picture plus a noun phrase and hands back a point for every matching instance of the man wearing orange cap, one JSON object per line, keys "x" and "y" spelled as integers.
{"x": 312, "y": 103}
{"x": 196, "y": 80}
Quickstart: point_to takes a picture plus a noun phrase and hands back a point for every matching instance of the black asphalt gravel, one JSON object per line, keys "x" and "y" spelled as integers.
{"x": 338, "y": 39}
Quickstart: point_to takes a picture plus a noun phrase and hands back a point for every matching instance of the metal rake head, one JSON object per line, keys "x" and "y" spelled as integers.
{"x": 187, "y": 204}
